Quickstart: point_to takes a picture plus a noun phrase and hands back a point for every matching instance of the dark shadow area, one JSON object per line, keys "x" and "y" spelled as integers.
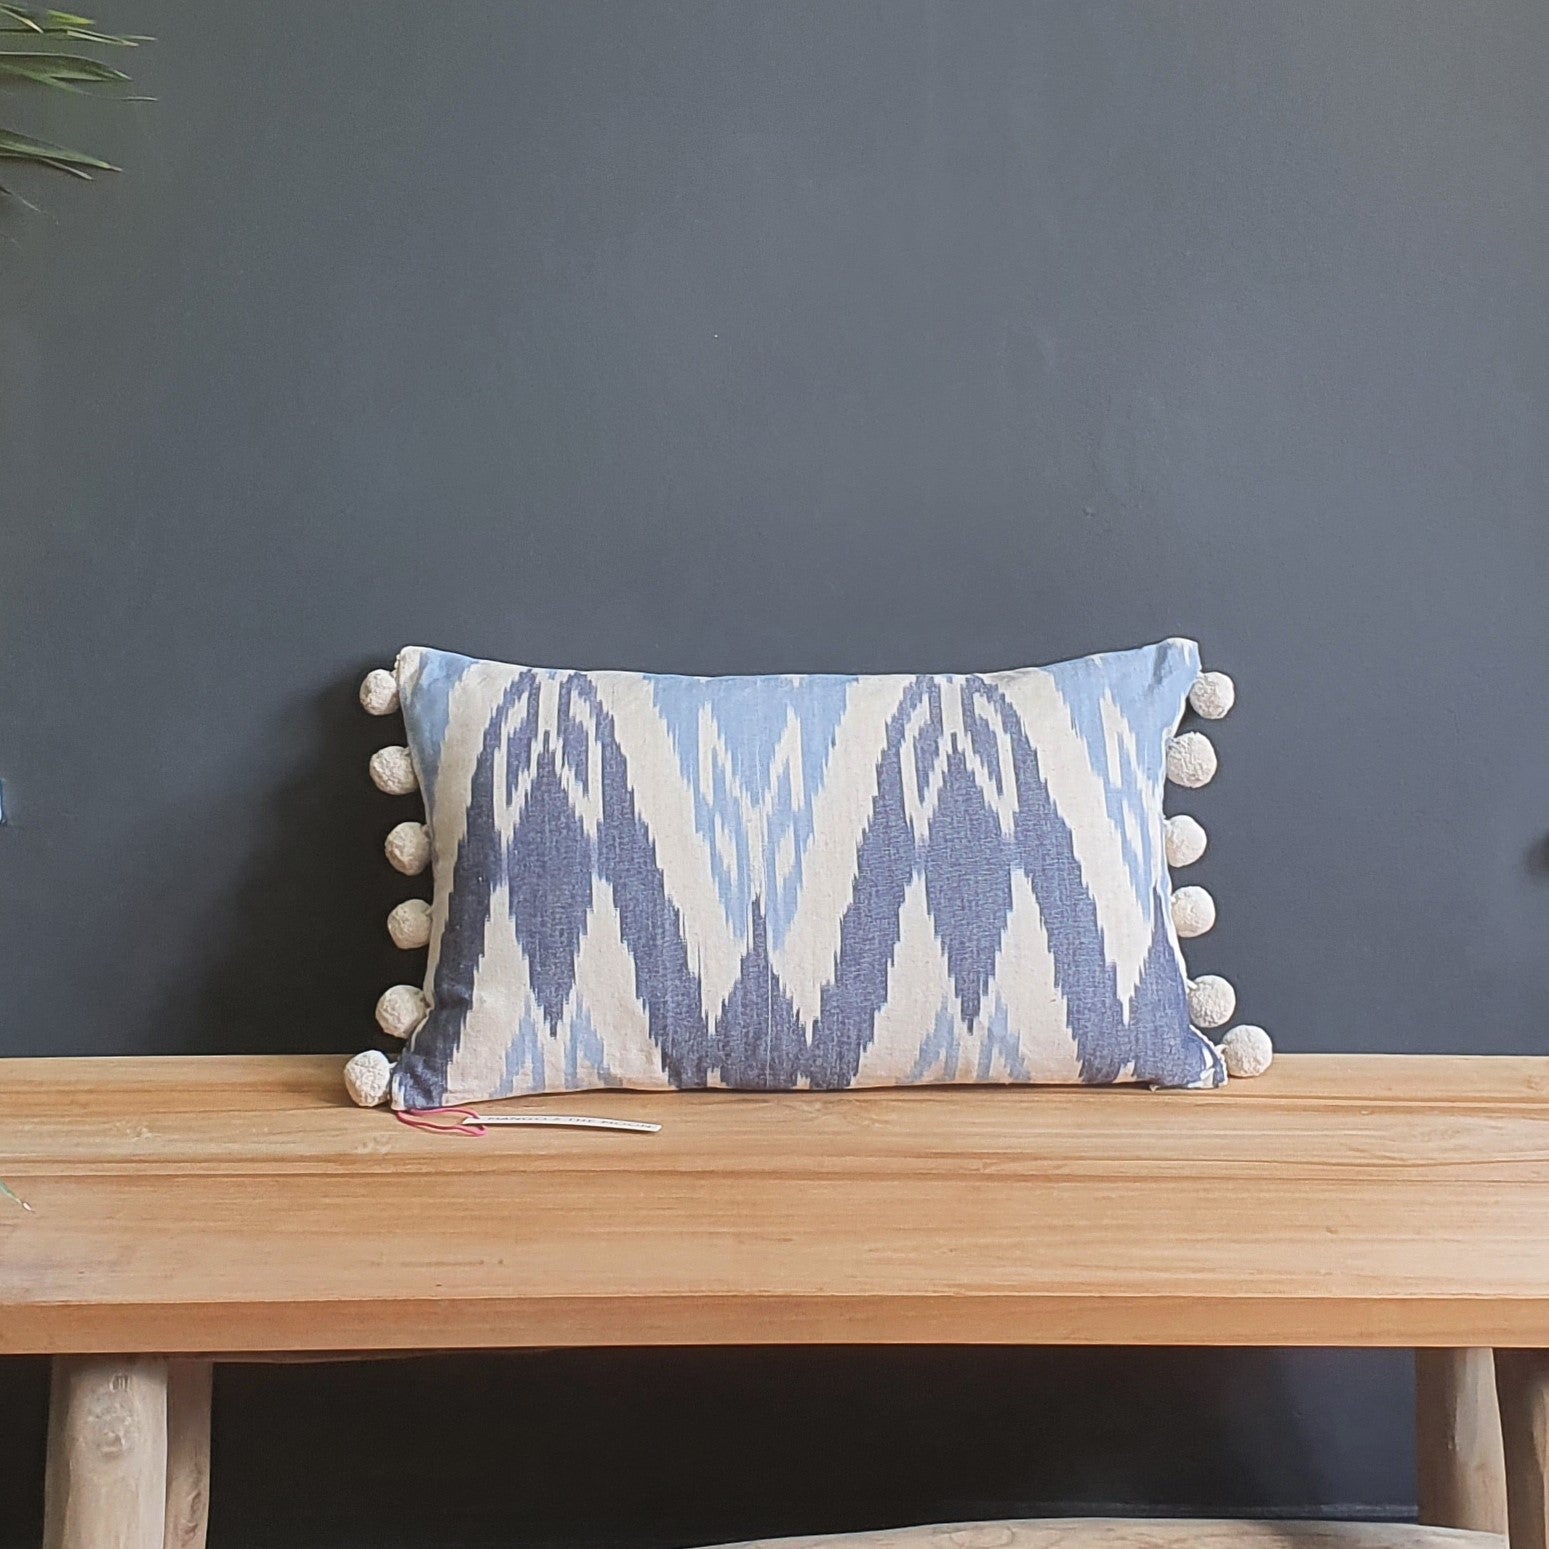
{"x": 1538, "y": 859}
{"x": 659, "y": 1448}
{"x": 662, "y": 1447}
{"x": 297, "y": 952}
{"x": 23, "y": 1418}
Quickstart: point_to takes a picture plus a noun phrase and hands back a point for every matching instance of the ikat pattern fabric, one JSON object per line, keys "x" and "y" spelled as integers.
{"x": 772, "y": 883}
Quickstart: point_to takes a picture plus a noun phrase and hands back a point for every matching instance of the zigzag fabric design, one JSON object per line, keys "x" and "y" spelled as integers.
{"x": 783, "y": 882}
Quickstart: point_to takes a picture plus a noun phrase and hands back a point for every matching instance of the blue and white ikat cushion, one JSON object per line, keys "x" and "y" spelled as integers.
{"x": 777, "y": 883}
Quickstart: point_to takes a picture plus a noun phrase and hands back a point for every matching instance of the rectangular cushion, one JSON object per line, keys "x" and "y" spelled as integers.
{"x": 770, "y": 883}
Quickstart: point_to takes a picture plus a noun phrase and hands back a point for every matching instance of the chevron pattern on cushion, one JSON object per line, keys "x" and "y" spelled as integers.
{"x": 770, "y": 883}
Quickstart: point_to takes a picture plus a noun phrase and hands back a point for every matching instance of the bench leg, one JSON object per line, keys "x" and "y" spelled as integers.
{"x": 107, "y": 1453}
{"x": 1522, "y": 1377}
{"x": 1462, "y": 1474}
{"x": 188, "y": 1453}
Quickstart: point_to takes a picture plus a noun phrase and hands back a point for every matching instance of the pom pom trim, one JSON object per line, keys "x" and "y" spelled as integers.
{"x": 401, "y": 1009}
{"x": 407, "y": 848}
{"x": 1193, "y": 912}
{"x": 379, "y": 692}
{"x": 368, "y": 1078}
{"x": 1247, "y": 1051}
{"x": 1212, "y": 1000}
{"x": 392, "y": 772}
{"x": 1212, "y": 695}
{"x": 409, "y": 924}
{"x": 1191, "y": 760}
{"x": 1184, "y": 839}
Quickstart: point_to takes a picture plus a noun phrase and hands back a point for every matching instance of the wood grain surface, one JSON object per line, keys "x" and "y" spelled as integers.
{"x": 107, "y": 1454}
{"x": 1460, "y": 1468}
{"x": 1522, "y": 1381}
{"x": 241, "y": 1204}
{"x": 189, "y": 1390}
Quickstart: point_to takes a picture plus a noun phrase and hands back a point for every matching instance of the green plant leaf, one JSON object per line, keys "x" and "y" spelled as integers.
{"x": 22, "y": 147}
{"x": 63, "y": 24}
{"x": 75, "y": 35}
{"x": 41, "y": 19}
{"x": 60, "y": 70}
{"x": 44, "y": 63}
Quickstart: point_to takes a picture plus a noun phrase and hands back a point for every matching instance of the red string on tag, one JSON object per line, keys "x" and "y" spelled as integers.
{"x": 462, "y": 1121}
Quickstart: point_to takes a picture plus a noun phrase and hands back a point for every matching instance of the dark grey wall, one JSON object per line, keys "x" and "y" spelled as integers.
{"x": 738, "y": 337}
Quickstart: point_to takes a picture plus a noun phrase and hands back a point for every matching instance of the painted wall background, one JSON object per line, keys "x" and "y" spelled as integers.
{"x": 838, "y": 334}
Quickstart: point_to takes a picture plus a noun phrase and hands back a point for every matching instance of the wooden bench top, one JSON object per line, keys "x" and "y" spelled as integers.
{"x": 241, "y": 1205}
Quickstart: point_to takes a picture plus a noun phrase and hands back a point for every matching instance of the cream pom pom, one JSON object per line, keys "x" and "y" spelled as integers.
{"x": 366, "y": 1078}
{"x": 1247, "y": 1051}
{"x": 1185, "y": 840}
{"x": 409, "y": 924}
{"x": 400, "y": 1010}
{"x": 1212, "y": 1000}
{"x": 1194, "y": 911}
{"x": 408, "y": 848}
{"x": 392, "y": 771}
{"x": 1191, "y": 760}
{"x": 1213, "y": 695}
{"x": 379, "y": 692}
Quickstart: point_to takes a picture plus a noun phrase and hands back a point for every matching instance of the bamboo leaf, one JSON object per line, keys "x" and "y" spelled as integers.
{"x": 63, "y": 24}
{"x": 117, "y": 39}
{"x": 90, "y": 69}
{"x": 40, "y": 18}
{"x": 75, "y": 35}
{"x": 45, "y": 63}
{"x": 57, "y": 69}
{"x": 54, "y": 166}
{"x": 22, "y": 147}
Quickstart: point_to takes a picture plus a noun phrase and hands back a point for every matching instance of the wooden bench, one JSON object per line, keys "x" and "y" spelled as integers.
{"x": 190, "y": 1210}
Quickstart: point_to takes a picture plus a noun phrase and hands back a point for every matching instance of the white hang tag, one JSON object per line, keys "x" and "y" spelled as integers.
{"x": 562, "y": 1121}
